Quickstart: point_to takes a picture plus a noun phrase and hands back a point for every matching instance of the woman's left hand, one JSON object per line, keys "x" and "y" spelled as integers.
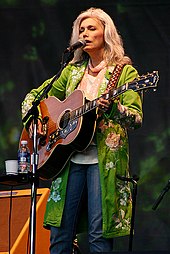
{"x": 103, "y": 104}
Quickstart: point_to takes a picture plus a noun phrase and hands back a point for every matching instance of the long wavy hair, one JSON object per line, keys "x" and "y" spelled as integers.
{"x": 113, "y": 51}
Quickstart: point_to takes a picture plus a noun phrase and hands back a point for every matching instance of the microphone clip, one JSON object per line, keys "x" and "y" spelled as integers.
{"x": 132, "y": 179}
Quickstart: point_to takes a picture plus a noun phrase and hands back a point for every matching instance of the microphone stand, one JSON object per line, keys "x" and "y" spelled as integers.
{"x": 33, "y": 112}
{"x": 165, "y": 189}
{"x": 133, "y": 180}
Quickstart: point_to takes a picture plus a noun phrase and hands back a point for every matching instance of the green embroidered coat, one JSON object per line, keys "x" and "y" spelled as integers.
{"x": 112, "y": 144}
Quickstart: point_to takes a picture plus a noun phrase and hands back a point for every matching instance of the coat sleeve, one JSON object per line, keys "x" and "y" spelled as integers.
{"x": 127, "y": 108}
{"x": 57, "y": 90}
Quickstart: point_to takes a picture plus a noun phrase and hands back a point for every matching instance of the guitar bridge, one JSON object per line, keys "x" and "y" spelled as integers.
{"x": 61, "y": 134}
{"x": 52, "y": 139}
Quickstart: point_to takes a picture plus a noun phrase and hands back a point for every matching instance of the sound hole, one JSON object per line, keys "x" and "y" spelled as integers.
{"x": 65, "y": 119}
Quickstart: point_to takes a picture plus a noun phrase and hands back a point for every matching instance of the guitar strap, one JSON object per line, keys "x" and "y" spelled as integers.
{"x": 115, "y": 76}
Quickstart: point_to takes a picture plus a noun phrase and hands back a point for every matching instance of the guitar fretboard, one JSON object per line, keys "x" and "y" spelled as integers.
{"x": 90, "y": 105}
{"x": 143, "y": 82}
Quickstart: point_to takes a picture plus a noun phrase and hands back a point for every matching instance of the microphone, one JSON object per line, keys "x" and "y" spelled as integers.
{"x": 76, "y": 45}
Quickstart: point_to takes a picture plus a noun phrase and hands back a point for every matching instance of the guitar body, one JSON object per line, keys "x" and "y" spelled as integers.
{"x": 65, "y": 134}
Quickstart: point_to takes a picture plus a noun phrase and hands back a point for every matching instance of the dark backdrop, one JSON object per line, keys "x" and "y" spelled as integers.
{"x": 33, "y": 36}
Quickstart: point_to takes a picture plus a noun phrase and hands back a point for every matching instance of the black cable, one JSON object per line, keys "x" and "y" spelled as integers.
{"x": 28, "y": 237}
{"x": 29, "y": 229}
{"x": 9, "y": 221}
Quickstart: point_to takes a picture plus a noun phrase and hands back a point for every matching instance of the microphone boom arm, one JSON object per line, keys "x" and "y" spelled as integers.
{"x": 165, "y": 189}
{"x": 33, "y": 110}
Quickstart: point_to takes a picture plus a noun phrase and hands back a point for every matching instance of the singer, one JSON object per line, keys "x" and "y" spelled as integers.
{"x": 88, "y": 180}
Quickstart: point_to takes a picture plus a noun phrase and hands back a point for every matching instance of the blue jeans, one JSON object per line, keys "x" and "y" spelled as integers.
{"x": 62, "y": 238}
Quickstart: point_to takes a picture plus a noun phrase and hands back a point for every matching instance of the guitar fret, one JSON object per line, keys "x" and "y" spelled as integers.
{"x": 83, "y": 109}
{"x": 76, "y": 114}
{"x": 115, "y": 92}
{"x": 107, "y": 96}
{"x": 124, "y": 87}
{"x": 87, "y": 106}
{"x": 90, "y": 104}
{"x": 94, "y": 103}
{"x": 121, "y": 89}
{"x": 80, "y": 111}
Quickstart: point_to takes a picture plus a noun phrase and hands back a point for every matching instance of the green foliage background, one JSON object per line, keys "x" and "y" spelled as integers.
{"x": 34, "y": 35}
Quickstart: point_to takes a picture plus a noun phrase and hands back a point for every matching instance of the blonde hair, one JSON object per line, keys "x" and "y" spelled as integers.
{"x": 114, "y": 51}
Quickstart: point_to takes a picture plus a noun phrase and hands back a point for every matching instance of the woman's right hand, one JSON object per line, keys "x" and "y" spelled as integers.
{"x": 39, "y": 129}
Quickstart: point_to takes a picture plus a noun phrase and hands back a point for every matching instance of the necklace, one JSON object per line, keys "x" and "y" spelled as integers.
{"x": 98, "y": 68}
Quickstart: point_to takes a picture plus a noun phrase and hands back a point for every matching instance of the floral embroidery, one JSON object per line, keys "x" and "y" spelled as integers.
{"x": 113, "y": 141}
{"x": 124, "y": 198}
{"x": 124, "y": 191}
{"x": 111, "y": 165}
{"x": 55, "y": 194}
{"x": 103, "y": 86}
{"x": 125, "y": 225}
{"x": 69, "y": 91}
{"x": 138, "y": 119}
{"x": 121, "y": 222}
{"x": 77, "y": 75}
{"x": 27, "y": 104}
{"x": 103, "y": 125}
{"x": 128, "y": 118}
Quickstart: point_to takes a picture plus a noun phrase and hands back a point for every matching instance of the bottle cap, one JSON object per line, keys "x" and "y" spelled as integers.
{"x": 24, "y": 142}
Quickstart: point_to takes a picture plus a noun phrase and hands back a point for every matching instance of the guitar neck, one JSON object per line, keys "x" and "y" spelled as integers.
{"x": 141, "y": 83}
{"x": 90, "y": 105}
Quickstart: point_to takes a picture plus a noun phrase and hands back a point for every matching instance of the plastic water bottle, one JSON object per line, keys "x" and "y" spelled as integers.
{"x": 23, "y": 158}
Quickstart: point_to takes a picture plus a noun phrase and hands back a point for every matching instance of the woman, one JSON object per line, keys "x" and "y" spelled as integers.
{"x": 95, "y": 169}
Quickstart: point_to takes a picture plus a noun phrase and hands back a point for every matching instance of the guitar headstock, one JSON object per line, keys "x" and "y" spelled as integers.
{"x": 145, "y": 82}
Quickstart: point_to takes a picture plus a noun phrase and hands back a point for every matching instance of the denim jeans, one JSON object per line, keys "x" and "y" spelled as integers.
{"x": 62, "y": 238}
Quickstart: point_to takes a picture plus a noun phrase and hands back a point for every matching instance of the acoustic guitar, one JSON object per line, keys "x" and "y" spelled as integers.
{"x": 69, "y": 125}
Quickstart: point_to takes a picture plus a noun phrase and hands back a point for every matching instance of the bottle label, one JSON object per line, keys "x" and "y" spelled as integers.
{"x": 23, "y": 162}
{"x": 23, "y": 159}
